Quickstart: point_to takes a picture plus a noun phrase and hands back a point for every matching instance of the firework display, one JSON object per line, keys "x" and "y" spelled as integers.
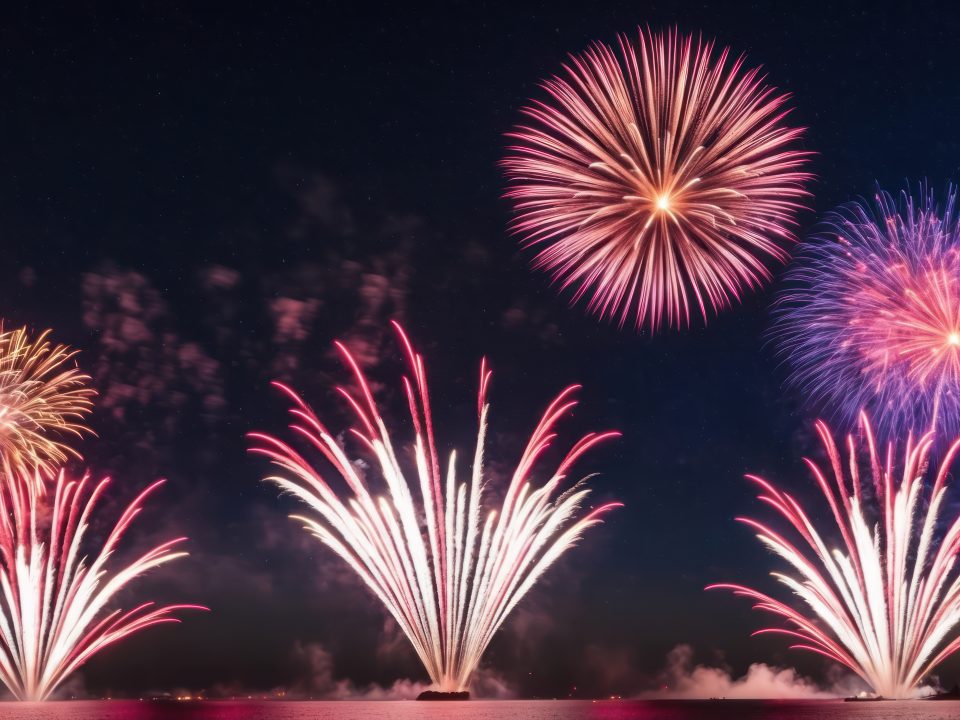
{"x": 42, "y": 397}
{"x": 451, "y": 587}
{"x": 198, "y": 202}
{"x": 54, "y": 591}
{"x": 872, "y": 316}
{"x": 656, "y": 179}
{"x": 885, "y": 601}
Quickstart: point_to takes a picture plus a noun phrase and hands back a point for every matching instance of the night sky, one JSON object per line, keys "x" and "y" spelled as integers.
{"x": 203, "y": 199}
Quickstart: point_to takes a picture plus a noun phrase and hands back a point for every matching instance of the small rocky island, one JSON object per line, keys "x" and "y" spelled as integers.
{"x": 435, "y": 695}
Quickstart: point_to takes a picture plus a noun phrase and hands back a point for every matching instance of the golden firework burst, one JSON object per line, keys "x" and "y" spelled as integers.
{"x": 43, "y": 397}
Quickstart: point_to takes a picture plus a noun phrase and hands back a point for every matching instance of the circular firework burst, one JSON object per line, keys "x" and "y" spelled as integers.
{"x": 656, "y": 179}
{"x": 41, "y": 396}
{"x": 871, "y": 316}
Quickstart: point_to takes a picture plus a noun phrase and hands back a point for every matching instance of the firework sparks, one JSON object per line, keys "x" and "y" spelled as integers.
{"x": 52, "y": 617}
{"x": 657, "y": 179}
{"x": 452, "y": 587}
{"x": 872, "y": 318}
{"x": 886, "y": 601}
{"x": 41, "y": 397}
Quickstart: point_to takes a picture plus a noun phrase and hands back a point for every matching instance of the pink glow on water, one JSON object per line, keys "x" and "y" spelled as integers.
{"x": 488, "y": 710}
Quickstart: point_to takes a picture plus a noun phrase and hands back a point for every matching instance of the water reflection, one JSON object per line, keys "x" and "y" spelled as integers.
{"x": 481, "y": 710}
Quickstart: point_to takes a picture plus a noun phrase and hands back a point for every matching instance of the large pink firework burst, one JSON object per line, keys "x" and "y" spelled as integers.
{"x": 657, "y": 179}
{"x": 878, "y": 591}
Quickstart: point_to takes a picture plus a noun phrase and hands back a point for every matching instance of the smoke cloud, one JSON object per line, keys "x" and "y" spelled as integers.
{"x": 683, "y": 680}
{"x": 317, "y": 680}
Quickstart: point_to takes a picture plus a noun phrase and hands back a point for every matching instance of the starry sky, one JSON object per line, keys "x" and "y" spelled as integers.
{"x": 201, "y": 199}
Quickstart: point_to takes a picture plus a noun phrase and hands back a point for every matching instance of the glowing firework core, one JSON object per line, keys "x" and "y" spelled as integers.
{"x": 449, "y": 588}
{"x": 656, "y": 179}
{"x": 886, "y": 602}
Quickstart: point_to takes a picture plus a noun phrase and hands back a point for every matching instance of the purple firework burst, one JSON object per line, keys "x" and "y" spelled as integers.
{"x": 871, "y": 318}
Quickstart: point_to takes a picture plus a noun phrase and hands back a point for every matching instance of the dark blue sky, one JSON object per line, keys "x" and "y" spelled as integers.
{"x": 202, "y": 199}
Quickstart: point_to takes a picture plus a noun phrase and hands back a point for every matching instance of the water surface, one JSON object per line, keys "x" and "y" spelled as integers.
{"x": 483, "y": 710}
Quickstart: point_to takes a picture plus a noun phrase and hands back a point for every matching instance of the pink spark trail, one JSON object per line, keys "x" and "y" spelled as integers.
{"x": 54, "y": 589}
{"x": 452, "y": 586}
{"x": 882, "y": 597}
